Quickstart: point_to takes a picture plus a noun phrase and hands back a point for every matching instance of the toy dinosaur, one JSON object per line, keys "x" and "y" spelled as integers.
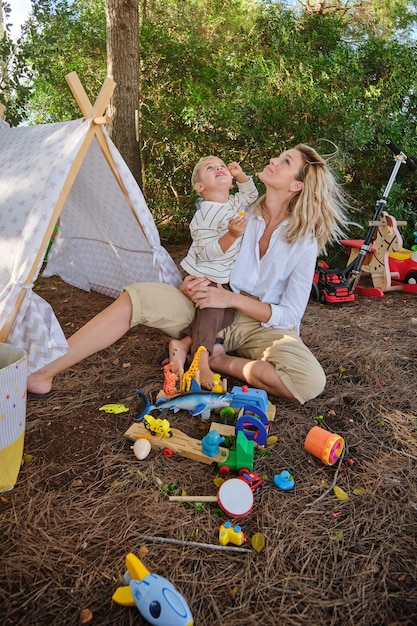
{"x": 170, "y": 381}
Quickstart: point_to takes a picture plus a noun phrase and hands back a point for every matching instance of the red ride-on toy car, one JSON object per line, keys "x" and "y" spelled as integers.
{"x": 330, "y": 285}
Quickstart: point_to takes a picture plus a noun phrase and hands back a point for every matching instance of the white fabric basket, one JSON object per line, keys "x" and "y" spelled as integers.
{"x": 13, "y": 385}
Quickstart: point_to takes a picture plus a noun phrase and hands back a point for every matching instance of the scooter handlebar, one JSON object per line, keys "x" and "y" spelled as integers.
{"x": 395, "y": 149}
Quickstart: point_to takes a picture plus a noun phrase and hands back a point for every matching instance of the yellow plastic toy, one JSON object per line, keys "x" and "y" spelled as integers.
{"x": 193, "y": 372}
{"x": 114, "y": 408}
{"x": 217, "y": 384}
{"x": 231, "y": 534}
{"x": 157, "y": 425}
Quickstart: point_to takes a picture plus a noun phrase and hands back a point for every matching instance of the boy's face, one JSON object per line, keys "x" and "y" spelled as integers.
{"x": 213, "y": 175}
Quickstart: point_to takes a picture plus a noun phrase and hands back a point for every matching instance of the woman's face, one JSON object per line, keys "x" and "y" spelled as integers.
{"x": 282, "y": 172}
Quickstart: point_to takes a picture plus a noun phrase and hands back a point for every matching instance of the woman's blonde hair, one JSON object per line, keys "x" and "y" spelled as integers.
{"x": 319, "y": 209}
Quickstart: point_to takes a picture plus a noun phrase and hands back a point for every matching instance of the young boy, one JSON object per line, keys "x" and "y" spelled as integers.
{"x": 216, "y": 230}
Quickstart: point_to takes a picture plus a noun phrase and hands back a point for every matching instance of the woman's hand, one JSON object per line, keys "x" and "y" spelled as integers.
{"x": 199, "y": 291}
{"x": 206, "y": 297}
{"x": 191, "y": 283}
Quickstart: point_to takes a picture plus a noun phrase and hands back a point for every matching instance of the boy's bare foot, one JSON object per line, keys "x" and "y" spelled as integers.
{"x": 216, "y": 357}
{"x": 206, "y": 376}
{"x": 206, "y": 373}
{"x": 178, "y": 350}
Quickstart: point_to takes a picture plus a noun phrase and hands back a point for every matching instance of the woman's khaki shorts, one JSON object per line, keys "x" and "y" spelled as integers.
{"x": 162, "y": 306}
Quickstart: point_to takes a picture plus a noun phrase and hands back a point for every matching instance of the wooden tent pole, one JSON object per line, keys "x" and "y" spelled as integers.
{"x": 88, "y": 110}
{"x": 72, "y": 174}
{"x": 79, "y": 94}
{"x": 97, "y": 111}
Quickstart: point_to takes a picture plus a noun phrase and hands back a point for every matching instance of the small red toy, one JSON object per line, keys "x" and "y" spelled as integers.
{"x": 253, "y": 480}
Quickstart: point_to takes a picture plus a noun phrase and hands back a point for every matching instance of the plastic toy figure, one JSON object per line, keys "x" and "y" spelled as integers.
{"x": 155, "y": 597}
{"x": 217, "y": 384}
{"x": 196, "y": 402}
{"x": 193, "y": 372}
{"x": 170, "y": 381}
{"x": 253, "y": 480}
{"x": 157, "y": 426}
{"x": 284, "y": 481}
{"x": 241, "y": 457}
{"x": 210, "y": 444}
{"x": 199, "y": 401}
{"x": 231, "y": 534}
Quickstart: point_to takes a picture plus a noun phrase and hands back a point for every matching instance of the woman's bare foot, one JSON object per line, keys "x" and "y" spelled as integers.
{"x": 37, "y": 383}
{"x": 178, "y": 350}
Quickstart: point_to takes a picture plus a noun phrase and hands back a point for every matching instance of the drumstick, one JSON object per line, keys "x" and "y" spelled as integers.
{"x": 193, "y": 498}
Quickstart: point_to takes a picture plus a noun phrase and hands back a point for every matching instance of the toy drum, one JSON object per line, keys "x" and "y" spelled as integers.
{"x": 324, "y": 445}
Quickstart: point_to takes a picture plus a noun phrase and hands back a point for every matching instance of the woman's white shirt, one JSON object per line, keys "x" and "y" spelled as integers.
{"x": 282, "y": 278}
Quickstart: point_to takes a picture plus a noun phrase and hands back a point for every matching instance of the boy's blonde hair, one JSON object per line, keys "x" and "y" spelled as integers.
{"x": 195, "y": 176}
{"x": 319, "y": 209}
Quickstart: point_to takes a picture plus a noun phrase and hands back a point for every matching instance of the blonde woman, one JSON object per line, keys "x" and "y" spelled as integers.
{"x": 302, "y": 210}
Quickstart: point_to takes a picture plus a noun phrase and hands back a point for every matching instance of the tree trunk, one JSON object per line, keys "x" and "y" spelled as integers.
{"x": 122, "y": 20}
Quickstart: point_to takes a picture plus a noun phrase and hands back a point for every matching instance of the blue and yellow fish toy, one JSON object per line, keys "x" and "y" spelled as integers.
{"x": 154, "y": 596}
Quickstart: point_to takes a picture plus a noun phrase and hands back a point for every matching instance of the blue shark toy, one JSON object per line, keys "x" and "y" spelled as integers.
{"x": 155, "y": 597}
{"x": 196, "y": 402}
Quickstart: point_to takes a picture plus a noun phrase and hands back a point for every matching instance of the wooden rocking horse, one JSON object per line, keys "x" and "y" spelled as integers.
{"x": 376, "y": 263}
{"x": 372, "y": 254}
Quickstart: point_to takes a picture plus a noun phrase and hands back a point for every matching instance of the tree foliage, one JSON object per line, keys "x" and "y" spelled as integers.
{"x": 14, "y": 75}
{"x": 63, "y": 36}
{"x": 245, "y": 79}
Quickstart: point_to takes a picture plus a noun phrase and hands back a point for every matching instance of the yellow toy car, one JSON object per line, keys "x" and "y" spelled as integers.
{"x": 157, "y": 426}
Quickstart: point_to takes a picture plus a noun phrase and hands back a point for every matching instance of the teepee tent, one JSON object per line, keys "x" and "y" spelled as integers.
{"x": 69, "y": 174}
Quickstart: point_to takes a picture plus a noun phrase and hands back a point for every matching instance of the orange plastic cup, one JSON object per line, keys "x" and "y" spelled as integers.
{"x": 324, "y": 445}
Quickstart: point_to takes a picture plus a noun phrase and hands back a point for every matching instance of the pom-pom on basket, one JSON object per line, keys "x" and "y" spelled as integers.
{"x": 13, "y": 381}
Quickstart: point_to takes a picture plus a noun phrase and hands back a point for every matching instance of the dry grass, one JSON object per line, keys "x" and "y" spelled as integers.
{"x": 84, "y": 501}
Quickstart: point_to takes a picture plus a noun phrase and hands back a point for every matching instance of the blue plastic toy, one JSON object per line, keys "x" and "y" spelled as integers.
{"x": 199, "y": 401}
{"x": 241, "y": 396}
{"x": 155, "y": 597}
{"x": 196, "y": 402}
{"x": 210, "y": 443}
{"x": 254, "y": 423}
{"x": 284, "y": 481}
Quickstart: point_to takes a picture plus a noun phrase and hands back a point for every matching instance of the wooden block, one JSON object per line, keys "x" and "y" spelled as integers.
{"x": 271, "y": 412}
{"x": 225, "y": 430}
{"x": 179, "y": 443}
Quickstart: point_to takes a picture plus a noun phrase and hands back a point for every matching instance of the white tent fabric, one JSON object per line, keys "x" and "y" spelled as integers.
{"x": 106, "y": 238}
